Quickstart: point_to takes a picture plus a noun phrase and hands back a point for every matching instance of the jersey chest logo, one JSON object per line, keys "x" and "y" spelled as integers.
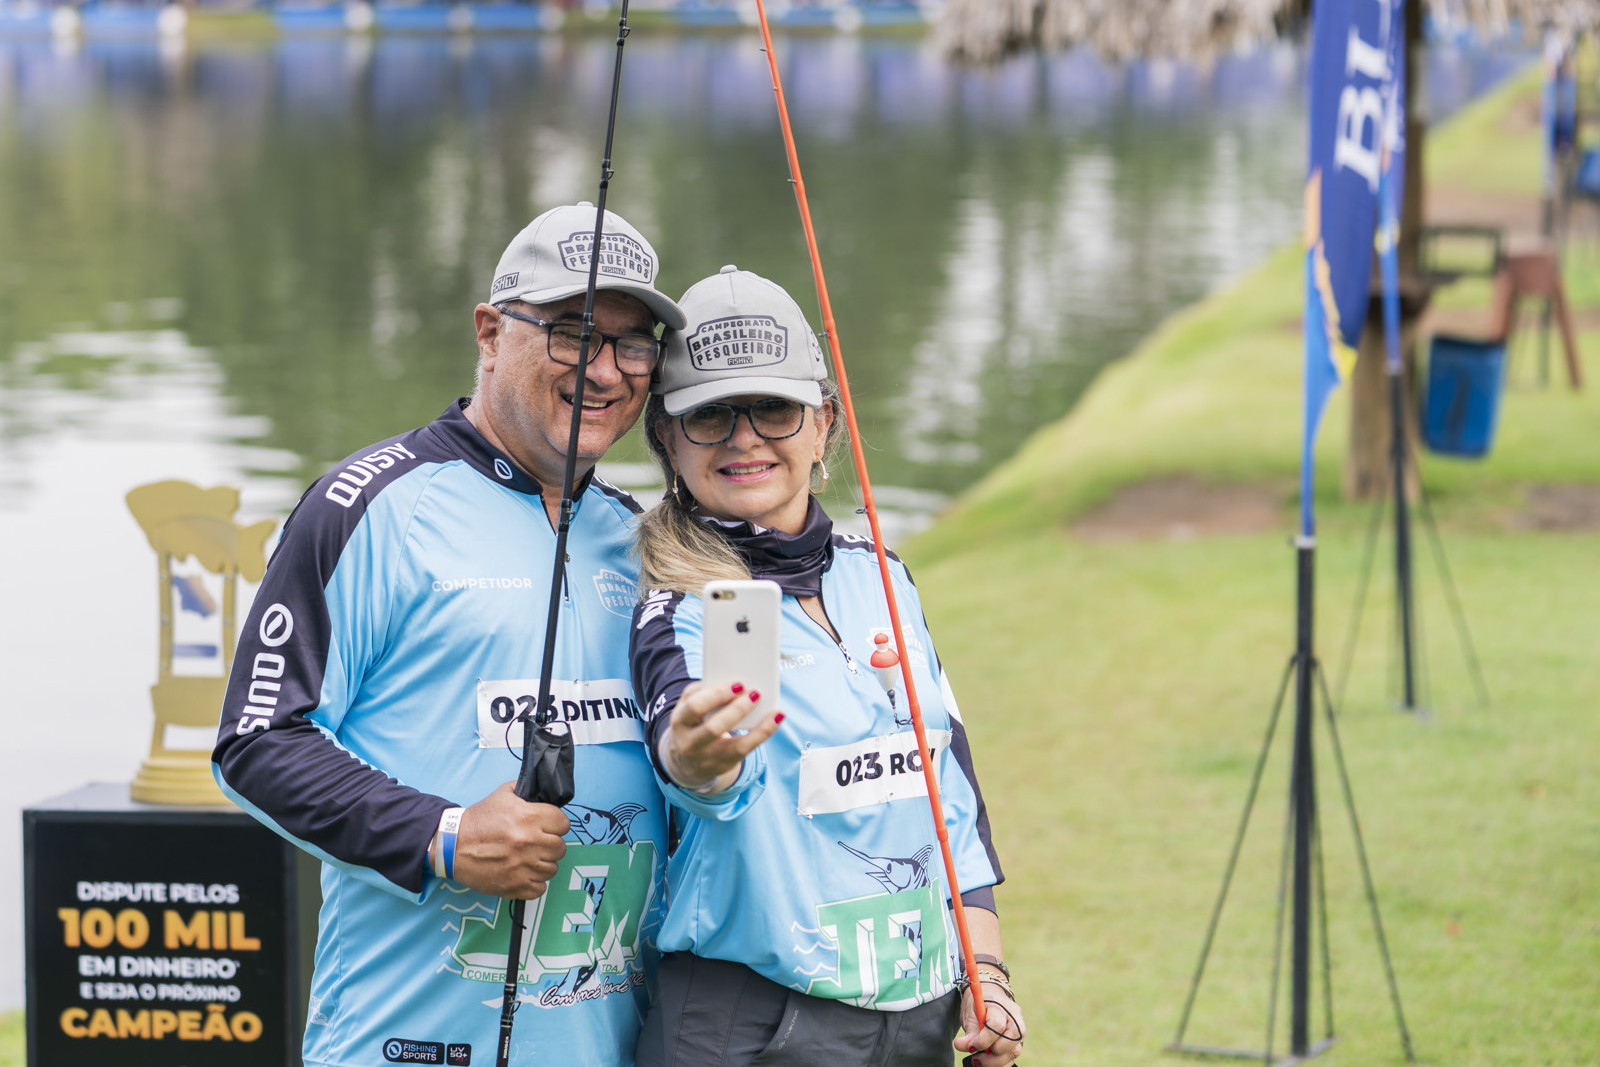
{"x": 617, "y": 592}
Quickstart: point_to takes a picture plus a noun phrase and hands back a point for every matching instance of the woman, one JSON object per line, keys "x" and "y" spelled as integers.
{"x": 807, "y": 915}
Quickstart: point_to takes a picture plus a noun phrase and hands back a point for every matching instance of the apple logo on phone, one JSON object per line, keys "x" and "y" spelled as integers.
{"x": 743, "y": 626}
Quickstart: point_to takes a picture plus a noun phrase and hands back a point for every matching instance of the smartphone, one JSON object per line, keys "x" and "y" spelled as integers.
{"x": 740, "y": 640}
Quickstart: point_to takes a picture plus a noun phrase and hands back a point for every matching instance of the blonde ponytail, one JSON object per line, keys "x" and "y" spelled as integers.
{"x": 676, "y": 550}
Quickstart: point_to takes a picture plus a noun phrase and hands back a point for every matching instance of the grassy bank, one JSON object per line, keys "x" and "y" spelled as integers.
{"x": 1118, "y": 694}
{"x": 1215, "y": 390}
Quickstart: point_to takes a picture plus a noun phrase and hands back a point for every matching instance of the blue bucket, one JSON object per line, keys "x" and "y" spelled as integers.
{"x": 1586, "y": 181}
{"x": 1462, "y": 400}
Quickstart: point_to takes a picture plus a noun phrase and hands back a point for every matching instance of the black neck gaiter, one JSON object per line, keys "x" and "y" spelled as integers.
{"x": 794, "y": 561}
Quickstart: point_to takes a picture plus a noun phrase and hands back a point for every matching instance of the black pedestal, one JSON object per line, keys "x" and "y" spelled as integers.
{"x": 161, "y": 936}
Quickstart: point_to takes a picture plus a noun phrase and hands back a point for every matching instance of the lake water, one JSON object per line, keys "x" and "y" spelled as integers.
{"x": 235, "y": 263}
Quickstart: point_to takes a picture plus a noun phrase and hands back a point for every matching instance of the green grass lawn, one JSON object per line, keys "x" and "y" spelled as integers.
{"x": 13, "y": 1049}
{"x": 1118, "y": 694}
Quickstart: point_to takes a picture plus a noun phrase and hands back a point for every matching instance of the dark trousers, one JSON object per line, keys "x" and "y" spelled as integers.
{"x": 712, "y": 1013}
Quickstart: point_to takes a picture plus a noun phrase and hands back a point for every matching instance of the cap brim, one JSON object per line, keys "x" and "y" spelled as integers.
{"x": 664, "y": 308}
{"x": 680, "y": 400}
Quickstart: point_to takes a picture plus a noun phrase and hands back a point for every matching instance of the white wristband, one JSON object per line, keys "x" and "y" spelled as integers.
{"x": 443, "y": 858}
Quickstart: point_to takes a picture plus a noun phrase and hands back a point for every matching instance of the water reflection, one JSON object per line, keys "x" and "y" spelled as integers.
{"x": 238, "y": 262}
{"x": 323, "y": 207}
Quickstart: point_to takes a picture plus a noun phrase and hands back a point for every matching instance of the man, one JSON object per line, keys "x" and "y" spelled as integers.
{"x": 376, "y": 707}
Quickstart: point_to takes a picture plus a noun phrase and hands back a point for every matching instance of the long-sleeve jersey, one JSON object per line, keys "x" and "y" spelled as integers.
{"x": 825, "y": 875}
{"x": 391, "y": 654}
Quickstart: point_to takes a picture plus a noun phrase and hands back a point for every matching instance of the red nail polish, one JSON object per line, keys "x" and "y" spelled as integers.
{"x": 754, "y": 696}
{"x": 778, "y": 717}
{"x": 737, "y": 687}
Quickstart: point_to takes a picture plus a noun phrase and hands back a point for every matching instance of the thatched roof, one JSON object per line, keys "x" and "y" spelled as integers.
{"x": 984, "y": 30}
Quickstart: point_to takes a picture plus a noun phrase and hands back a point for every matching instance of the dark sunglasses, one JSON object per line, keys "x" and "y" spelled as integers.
{"x": 772, "y": 418}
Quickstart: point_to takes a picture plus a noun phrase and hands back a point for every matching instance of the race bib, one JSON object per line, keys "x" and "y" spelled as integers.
{"x": 599, "y": 712}
{"x": 863, "y": 773}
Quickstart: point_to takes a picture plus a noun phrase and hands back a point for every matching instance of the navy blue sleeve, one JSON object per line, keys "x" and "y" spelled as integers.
{"x": 271, "y": 757}
{"x": 660, "y": 673}
{"x": 982, "y": 897}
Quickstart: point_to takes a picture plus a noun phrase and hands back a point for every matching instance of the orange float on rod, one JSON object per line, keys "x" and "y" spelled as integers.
{"x": 962, "y": 934}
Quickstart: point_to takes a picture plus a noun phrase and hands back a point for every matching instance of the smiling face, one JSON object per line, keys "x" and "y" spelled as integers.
{"x": 523, "y": 405}
{"x": 747, "y": 477}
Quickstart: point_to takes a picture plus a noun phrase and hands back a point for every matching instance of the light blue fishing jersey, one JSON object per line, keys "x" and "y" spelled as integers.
{"x": 820, "y": 868}
{"x": 385, "y": 673}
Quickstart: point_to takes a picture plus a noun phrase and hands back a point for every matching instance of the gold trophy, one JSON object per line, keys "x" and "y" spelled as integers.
{"x": 182, "y": 520}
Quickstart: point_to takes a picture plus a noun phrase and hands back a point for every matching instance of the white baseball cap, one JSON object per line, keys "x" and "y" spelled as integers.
{"x": 549, "y": 260}
{"x": 744, "y": 334}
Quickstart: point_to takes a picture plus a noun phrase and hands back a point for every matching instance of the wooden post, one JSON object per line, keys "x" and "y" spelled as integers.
{"x": 1366, "y": 472}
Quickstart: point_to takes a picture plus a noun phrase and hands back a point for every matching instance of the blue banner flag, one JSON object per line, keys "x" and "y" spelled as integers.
{"x": 1352, "y": 66}
{"x": 1558, "y": 106}
{"x": 1391, "y": 192}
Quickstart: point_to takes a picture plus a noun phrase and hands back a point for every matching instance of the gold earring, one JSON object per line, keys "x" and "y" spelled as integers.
{"x": 816, "y": 487}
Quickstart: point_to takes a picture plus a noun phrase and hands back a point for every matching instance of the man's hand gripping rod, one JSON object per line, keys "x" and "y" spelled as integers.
{"x": 547, "y": 758}
{"x": 832, "y": 330}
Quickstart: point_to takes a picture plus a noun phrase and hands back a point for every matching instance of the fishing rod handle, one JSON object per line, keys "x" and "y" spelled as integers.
{"x": 508, "y": 1003}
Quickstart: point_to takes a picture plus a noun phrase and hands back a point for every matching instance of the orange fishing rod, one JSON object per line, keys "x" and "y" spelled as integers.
{"x": 832, "y": 332}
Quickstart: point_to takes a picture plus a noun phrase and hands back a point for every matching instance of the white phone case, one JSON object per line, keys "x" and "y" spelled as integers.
{"x": 740, "y": 640}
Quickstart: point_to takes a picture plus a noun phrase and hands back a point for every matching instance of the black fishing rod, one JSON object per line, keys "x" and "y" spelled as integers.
{"x": 547, "y": 756}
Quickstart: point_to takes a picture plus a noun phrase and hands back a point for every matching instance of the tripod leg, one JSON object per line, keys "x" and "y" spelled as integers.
{"x": 1233, "y": 856}
{"x": 1402, "y": 539}
{"x": 1379, "y": 506}
{"x": 1366, "y": 875}
{"x": 1544, "y": 344}
{"x": 1322, "y": 916}
{"x": 1467, "y": 648}
{"x": 1421, "y": 670}
{"x": 1569, "y": 338}
{"x": 1277, "y": 939}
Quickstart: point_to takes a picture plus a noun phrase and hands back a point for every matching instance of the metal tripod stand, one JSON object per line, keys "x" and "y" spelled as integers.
{"x": 1414, "y": 691}
{"x": 1301, "y": 871}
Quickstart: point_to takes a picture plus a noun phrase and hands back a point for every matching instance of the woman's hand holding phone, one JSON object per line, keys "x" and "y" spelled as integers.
{"x": 698, "y": 749}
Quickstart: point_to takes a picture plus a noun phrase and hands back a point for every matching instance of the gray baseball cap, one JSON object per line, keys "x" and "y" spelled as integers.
{"x": 549, "y": 260}
{"x": 744, "y": 335}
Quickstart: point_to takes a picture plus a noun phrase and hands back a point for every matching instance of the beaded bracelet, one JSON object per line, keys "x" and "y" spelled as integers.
{"x": 964, "y": 983}
{"x": 1001, "y": 984}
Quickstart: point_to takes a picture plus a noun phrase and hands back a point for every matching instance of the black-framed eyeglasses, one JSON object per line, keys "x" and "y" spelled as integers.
{"x": 773, "y": 418}
{"x": 637, "y": 353}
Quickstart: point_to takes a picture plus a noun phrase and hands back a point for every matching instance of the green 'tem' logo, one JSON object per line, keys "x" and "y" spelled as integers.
{"x": 893, "y": 949}
{"x": 588, "y": 918}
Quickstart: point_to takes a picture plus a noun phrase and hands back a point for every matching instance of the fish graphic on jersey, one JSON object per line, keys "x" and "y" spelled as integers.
{"x": 897, "y": 874}
{"x": 596, "y": 826}
{"x": 893, "y": 873}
